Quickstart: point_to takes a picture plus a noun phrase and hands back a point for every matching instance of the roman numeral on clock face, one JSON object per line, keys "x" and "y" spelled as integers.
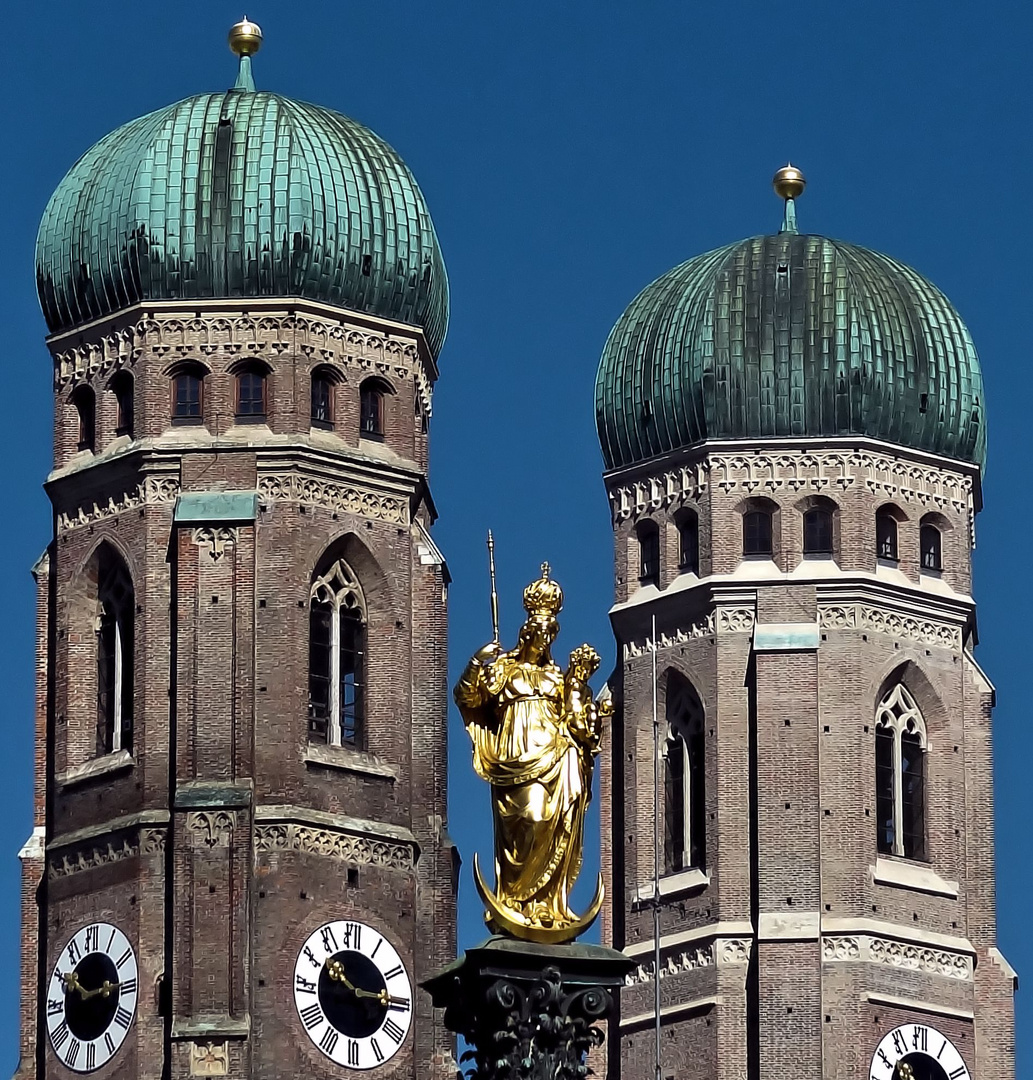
{"x": 123, "y": 1017}
{"x": 393, "y": 1031}
{"x": 128, "y": 986}
{"x": 353, "y": 1052}
{"x": 72, "y": 1056}
{"x": 92, "y": 938}
{"x": 312, "y": 1016}
{"x": 377, "y": 1052}
{"x": 329, "y": 1040}
{"x": 394, "y": 972}
{"x": 920, "y": 1038}
{"x": 60, "y": 1035}
{"x": 55, "y": 1008}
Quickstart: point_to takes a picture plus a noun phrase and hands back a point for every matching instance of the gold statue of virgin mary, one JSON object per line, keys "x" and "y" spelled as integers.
{"x": 535, "y": 731}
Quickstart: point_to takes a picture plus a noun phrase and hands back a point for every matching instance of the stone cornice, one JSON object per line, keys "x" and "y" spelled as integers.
{"x": 800, "y": 467}
{"x": 260, "y": 328}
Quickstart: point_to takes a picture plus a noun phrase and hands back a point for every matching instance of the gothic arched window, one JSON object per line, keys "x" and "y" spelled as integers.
{"x": 685, "y": 835}
{"x": 886, "y": 534}
{"x": 337, "y": 639}
{"x": 188, "y": 395}
{"x": 817, "y": 531}
{"x": 648, "y": 552}
{"x": 900, "y": 743}
{"x": 931, "y": 543}
{"x": 115, "y": 604}
{"x": 688, "y": 542}
{"x": 85, "y": 402}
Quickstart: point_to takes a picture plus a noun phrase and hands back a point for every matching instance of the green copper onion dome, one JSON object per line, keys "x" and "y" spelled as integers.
{"x": 241, "y": 194}
{"x": 789, "y": 336}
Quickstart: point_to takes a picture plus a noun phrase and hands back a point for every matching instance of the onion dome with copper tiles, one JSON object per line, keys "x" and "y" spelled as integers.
{"x": 789, "y": 336}
{"x": 241, "y": 194}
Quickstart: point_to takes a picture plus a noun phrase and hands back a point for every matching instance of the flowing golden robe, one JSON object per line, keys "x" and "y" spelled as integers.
{"x": 541, "y": 779}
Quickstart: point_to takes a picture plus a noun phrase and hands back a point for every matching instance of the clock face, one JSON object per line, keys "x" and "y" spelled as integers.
{"x": 917, "y": 1052}
{"x": 91, "y": 999}
{"x": 353, "y": 994}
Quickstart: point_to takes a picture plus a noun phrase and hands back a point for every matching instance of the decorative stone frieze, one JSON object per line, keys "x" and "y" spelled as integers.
{"x": 893, "y": 623}
{"x": 797, "y": 471}
{"x": 735, "y": 951}
{"x": 723, "y": 620}
{"x": 90, "y": 855}
{"x": 152, "y": 841}
{"x": 898, "y": 954}
{"x": 674, "y": 963}
{"x": 341, "y": 498}
{"x": 153, "y": 490}
{"x": 348, "y": 847}
{"x": 324, "y": 340}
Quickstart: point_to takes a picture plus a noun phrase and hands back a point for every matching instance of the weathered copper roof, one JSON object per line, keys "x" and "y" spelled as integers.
{"x": 241, "y": 194}
{"x": 789, "y": 335}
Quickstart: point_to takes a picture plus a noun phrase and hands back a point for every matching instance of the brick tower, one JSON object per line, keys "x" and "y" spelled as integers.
{"x": 793, "y": 431}
{"x": 240, "y": 865}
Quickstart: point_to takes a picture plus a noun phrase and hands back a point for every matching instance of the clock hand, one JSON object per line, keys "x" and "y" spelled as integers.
{"x": 335, "y": 969}
{"x": 104, "y": 990}
{"x": 71, "y": 981}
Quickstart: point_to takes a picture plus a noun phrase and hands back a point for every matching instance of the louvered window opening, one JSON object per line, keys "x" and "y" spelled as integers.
{"x": 756, "y": 533}
{"x": 817, "y": 532}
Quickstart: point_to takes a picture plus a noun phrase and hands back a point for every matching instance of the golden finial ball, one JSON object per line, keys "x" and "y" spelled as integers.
{"x": 245, "y": 37}
{"x": 788, "y": 182}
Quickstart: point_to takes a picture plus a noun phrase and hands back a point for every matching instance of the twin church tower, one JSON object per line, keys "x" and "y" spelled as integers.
{"x": 241, "y": 767}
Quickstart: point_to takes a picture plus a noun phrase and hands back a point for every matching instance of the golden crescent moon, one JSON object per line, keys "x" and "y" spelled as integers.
{"x": 505, "y": 920}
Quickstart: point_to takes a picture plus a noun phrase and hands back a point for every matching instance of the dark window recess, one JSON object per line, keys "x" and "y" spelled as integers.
{"x": 123, "y": 388}
{"x": 912, "y": 776}
{"x": 674, "y": 806}
{"x": 321, "y": 616}
{"x": 322, "y": 402}
{"x": 886, "y": 536}
{"x": 756, "y": 532}
{"x": 251, "y": 387}
{"x": 114, "y": 659}
{"x": 931, "y": 543}
{"x": 371, "y": 412}
{"x": 349, "y": 675}
{"x": 649, "y": 553}
{"x": 367, "y": 265}
{"x": 187, "y": 388}
{"x": 351, "y": 683}
{"x": 884, "y": 811}
{"x": 817, "y": 532}
{"x": 688, "y": 543}
{"x": 86, "y": 407}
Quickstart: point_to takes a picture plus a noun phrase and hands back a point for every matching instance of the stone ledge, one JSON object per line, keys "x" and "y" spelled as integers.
{"x": 354, "y": 761}
{"x": 212, "y": 1025}
{"x": 919, "y": 1006}
{"x": 101, "y": 766}
{"x": 670, "y": 1013}
{"x": 674, "y": 885}
{"x": 119, "y": 824}
{"x": 909, "y": 933}
{"x": 729, "y": 929}
{"x": 907, "y": 875}
{"x": 203, "y": 795}
{"x": 360, "y": 826}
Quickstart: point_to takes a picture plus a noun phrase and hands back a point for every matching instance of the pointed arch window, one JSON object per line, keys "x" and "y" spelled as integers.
{"x": 371, "y": 410}
{"x": 684, "y": 779}
{"x": 337, "y": 643}
{"x": 900, "y": 747}
{"x": 115, "y": 602}
{"x": 322, "y": 400}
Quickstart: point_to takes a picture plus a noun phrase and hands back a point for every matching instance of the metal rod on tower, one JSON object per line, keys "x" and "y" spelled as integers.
{"x": 494, "y": 594}
{"x": 656, "y": 859}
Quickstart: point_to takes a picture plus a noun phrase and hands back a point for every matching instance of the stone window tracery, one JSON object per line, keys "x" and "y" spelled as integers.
{"x": 337, "y": 635}
{"x": 684, "y": 779}
{"x": 116, "y": 605}
{"x": 900, "y": 747}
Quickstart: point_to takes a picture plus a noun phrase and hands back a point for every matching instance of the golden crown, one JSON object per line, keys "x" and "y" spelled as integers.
{"x": 544, "y": 596}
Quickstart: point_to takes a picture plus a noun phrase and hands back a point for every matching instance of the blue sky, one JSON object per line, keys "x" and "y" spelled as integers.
{"x": 571, "y": 152}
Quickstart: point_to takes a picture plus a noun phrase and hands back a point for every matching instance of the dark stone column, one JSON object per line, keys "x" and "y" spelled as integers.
{"x": 529, "y": 1012}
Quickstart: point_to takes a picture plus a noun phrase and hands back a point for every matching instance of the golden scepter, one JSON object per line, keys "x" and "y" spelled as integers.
{"x": 494, "y": 594}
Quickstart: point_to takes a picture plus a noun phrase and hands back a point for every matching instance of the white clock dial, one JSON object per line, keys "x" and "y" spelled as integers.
{"x": 91, "y": 997}
{"x": 353, "y": 994}
{"x": 917, "y": 1052}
